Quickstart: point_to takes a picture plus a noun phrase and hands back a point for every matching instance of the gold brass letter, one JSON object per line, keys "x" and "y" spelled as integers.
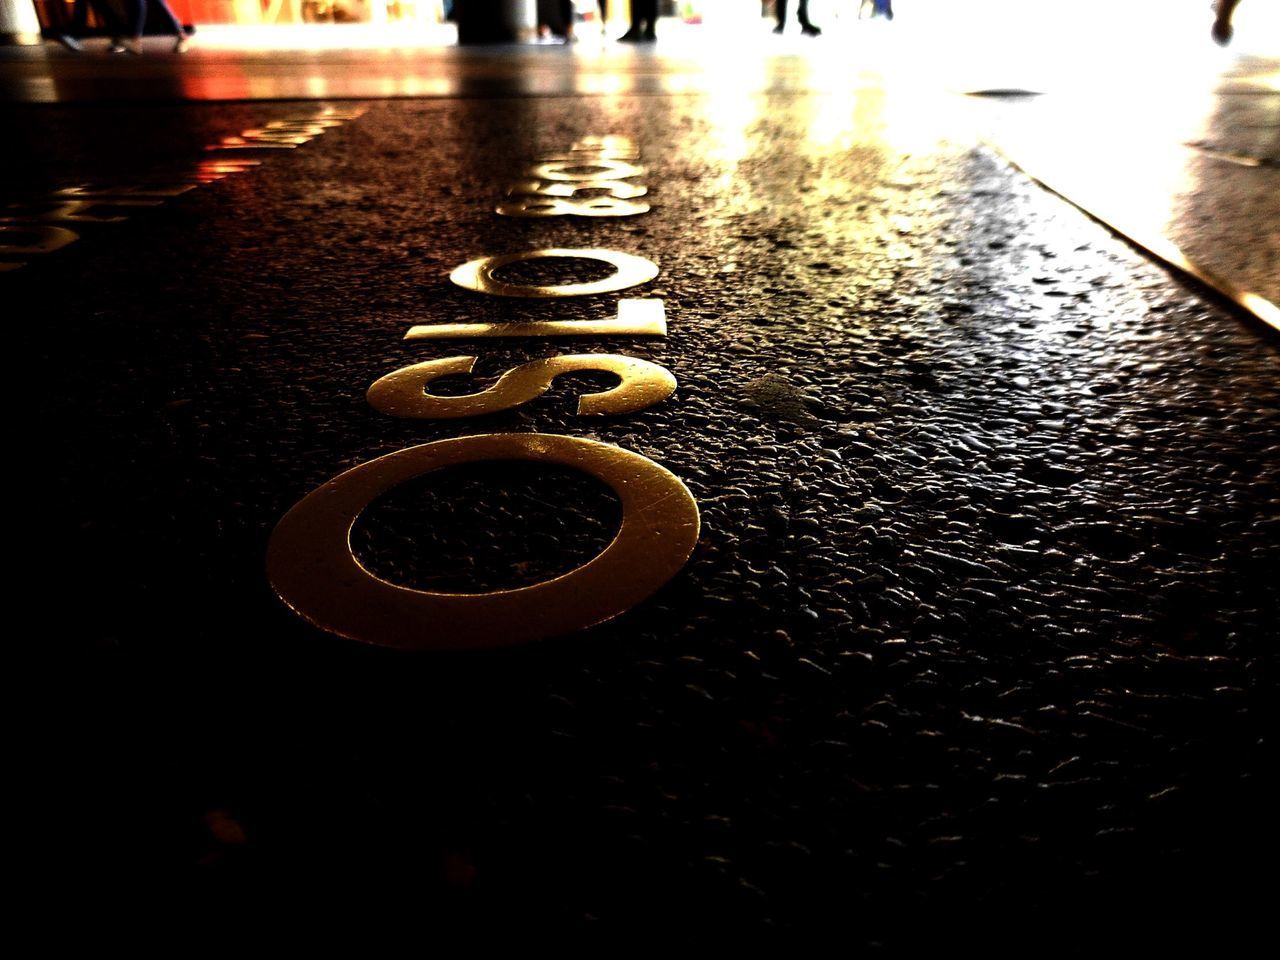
{"x": 630, "y": 271}
{"x": 586, "y": 207}
{"x": 314, "y": 571}
{"x": 73, "y": 211}
{"x": 564, "y": 188}
{"x": 636, "y": 318}
{"x": 583, "y": 156}
{"x": 98, "y": 192}
{"x": 40, "y": 239}
{"x": 240, "y": 143}
{"x": 209, "y": 170}
{"x": 402, "y": 393}
{"x": 586, "y": 168}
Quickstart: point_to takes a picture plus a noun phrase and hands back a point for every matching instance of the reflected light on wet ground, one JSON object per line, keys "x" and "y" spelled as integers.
{"x": 932, "y": 45}
{"x": 1185, "y": 168}
{"x": 1140, "y": 118}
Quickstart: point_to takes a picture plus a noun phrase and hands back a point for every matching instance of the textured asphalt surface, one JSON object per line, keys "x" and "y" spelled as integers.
{"x": 977, "y": 646}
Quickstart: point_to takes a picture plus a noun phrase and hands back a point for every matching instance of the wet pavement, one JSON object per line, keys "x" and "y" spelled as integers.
{"x": 977, "y": 642}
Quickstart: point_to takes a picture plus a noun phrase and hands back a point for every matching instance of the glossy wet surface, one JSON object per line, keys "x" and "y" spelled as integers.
{"x": 1194, "y": 176}
{"x": 978, "y": 636}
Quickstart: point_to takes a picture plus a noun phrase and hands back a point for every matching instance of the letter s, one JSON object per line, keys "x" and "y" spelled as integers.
{"x": 403, "y": 393}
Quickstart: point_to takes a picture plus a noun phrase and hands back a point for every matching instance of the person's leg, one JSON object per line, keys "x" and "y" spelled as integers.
{"x": 170, "y": 18}
{"x": 644, "y": 18}
{"x": 636, "y": 30}
{"x": 649, "y": 13}
{"x": 136, "y": 16}
{"x": 780, "y": 14}
{"x": 1222, "y": 29}
{"x": 70, "y": 38}
{"x": 129, "y": 32}
{"x": 171, "y": 22}
{"x": 802, "y": 14}
{"x": 108, "y": 16}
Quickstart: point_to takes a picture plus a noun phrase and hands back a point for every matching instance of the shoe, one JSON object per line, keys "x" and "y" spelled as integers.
{"x": 182, "y": 44}
{"x": 650, "y": 37}
{"x": 631, "y": 36}
{"x": 779, "y": 28}
{"x": 130, "y": 46}
{"x": 117, "y": 45}
{"x": 809, "y": 30}
{"x": 70, "y": 42}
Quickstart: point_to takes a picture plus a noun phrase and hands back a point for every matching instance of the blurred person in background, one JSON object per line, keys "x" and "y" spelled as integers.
{"x": 644, "y": 20}
{"x": 80, "y": 24}
{"x": 1222, "y": 31}
{"x": 136, "y": 10}
{"x": 802, "y": 14}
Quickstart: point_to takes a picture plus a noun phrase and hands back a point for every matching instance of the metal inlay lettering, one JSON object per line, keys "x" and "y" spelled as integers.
{"x": 586, "y": 168}
{"x": 587, "y": 207}
{"x": 312, "y": 128}
{"x": 630, "y": 271}
{"x": 596, "y": 168}
{"x": 246, "y": 143}
{"x": 87, "y": 191}
{"x": 310, "y": 560}
{"x": 315, "y": 572}
{"x": 72, "y": 211}
{"x": 585, "y": 155}
{"x": 566, "y": 188}
{"x": 210, "y": 170}
{"x": 34, "y": 239}
{"x": 635, "y": 318}
{"x": 76, "y": 203}
{"x": 403, "y": 393}
{"x": 228, "y": 165}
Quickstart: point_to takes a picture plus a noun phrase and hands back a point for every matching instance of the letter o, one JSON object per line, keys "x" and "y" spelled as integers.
{"x": 586, "y": 168}
{"x": 312, "y": 567}
{"x": 38, "y": 238}
{"x": 630, "y": 271}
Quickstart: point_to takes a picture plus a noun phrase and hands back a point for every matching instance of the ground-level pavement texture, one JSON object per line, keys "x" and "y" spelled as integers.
{"x": 977, "y": 643}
